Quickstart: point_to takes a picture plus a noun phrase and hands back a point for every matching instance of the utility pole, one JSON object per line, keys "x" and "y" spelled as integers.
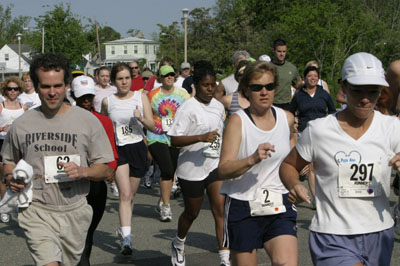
{"x": 176, "y": 52}
{"x": 98, "y": 40}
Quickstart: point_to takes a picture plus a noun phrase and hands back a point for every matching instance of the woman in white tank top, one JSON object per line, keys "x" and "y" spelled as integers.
{"x": 129, "y": 111}
{"x": 255, "y": 142}
{"x": 10, "y": 109}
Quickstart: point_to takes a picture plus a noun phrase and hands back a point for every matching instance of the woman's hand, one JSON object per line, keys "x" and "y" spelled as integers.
{"x": 263, "y": 152}
{"x": 137, "y": 114}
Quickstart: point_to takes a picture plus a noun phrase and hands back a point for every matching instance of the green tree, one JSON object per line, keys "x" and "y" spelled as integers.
{"x": 64, "y": 33}
{"x": 9, "y": 26}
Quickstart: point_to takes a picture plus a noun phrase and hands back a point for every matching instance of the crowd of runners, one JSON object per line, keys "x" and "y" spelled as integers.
{"x": 248, "y": 141}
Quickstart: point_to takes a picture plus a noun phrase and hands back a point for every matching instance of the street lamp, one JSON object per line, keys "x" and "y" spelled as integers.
{"x": 19, "y": 54}
{"x": 185, "y": 12}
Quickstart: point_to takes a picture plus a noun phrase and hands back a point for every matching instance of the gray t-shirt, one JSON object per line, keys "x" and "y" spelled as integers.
{"x": 34, "y": 137}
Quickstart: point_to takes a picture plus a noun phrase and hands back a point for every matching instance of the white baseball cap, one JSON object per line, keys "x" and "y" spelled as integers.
{"x": 82, "y": 85}
{"x": 363, "y": 69}
{"x": 264, "y": 58}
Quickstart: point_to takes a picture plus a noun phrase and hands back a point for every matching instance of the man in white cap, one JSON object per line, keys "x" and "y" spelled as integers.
{"x": 353, "y": 152}
{"x": 184, "y": 72}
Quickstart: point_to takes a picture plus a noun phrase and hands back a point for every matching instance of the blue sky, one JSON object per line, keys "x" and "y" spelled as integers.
{"x": 121, "y": 15}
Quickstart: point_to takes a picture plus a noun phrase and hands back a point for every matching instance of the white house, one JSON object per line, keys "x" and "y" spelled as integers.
{"x": 132, "y": 48}
{"x": 9, "y": 60}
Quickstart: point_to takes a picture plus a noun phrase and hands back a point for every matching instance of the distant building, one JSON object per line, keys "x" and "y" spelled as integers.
{"x": 132, "y": 48}
{"x": 9, "y": 60}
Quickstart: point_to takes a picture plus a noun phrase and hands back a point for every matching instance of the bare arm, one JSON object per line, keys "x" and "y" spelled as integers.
{"x": 147, "y": 118}
{"x": 226, "y": 101}
{"x": 95, "y": 172}
{"x": 104, "y": 106}
{"x": 326, "y": 86}
{"x": 340, "y": 97}
{"x": 229, "y": 166}
{"x": 293, "y": 134}
{"x": 220, "y": 91}
{"x": 181, "y": 141}
{"x": 289, "y": 174}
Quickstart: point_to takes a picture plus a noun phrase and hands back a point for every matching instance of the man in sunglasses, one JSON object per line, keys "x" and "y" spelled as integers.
{"x": 288, "y": 75}
{"x": 137, "y": 82}
{"x": 66, "y": 146}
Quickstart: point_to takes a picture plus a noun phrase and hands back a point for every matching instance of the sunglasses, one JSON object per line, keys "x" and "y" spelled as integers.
{"x": 169, "y": 75}
{"x": 13, "y": 88}
{"x": 135, "y": 67}
{"x": 259, "y": 87}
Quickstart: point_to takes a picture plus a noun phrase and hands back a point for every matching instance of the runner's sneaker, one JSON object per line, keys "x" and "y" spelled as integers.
{"x": 147, "y": 178}
{"x": 126, "y": 244}
{"x": 5, "y": 217}
{"x": 177, "y": 255}
{"x": 396, "y": 218}
{"x": 159, "y": 206}
{"x": 166, "y": 213}
{"x": 114, "y": 189}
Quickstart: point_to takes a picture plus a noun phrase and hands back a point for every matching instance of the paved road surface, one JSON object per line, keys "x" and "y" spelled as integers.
{"x": 151, "y": 238}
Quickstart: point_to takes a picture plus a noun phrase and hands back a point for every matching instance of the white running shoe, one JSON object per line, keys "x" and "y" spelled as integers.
{"x": 177, "y": 255}
{"x": 396, "y": 218}
{"x": 147, "y": 178}
{"x": 166, "y": 213}
{"x": 114, "y": 189}
{"x": 126, "y": 244}
{"x": 5, "y": 217}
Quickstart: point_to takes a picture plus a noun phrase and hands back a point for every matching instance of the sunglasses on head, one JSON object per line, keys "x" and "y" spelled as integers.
{"x": 259, "y": 87}
{"x": 168, "y": 75}
{"x": 13, "y": 88}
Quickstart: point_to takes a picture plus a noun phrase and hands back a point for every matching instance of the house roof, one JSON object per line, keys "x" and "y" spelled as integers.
{"x": 25, "y": 48}
{"x": 132, "y": 40}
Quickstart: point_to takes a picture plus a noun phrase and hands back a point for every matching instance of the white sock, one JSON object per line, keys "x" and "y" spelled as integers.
{"x": 126, "y": 231}
{"x": 224, "y": 256}
{"x": 179, "y": 243}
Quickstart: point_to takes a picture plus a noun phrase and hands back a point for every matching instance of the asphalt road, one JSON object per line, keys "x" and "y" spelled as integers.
{"x": 151, "y": 238}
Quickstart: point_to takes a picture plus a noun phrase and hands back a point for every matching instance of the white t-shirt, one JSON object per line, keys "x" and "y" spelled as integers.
{"x": 326, "y": 144}
{"x": 30, "y": 100}
{"x": 179, "y": 81}
{"x": 194, "y": 118}
{"x": 100, "y": 95}
{"x": 230, "y": 84}
{"x": 265, "y": 174}
{"x": 128, "y": 129}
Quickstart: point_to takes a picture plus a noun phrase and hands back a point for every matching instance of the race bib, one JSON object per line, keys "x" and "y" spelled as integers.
{"x": 128, "y": 134}
{"x": 359, "y": 180}
{"x": 267, "y": 203}
{"x": 166, "y": 123}
{"x": 214, "y": 148}
{"x": 54, "y": 173}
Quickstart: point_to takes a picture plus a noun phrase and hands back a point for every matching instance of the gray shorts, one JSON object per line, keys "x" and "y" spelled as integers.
{"x": 56, "y": 233}
{"x": 373, "y": 249}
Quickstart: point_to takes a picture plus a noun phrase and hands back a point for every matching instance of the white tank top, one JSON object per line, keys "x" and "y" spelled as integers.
{"x": 265, "y": 174}
{"x": 7, "y": 117}
{"x": 128, "y": 129}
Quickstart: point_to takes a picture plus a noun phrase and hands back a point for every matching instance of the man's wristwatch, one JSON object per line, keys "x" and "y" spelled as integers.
{"x": 5, "y": 178}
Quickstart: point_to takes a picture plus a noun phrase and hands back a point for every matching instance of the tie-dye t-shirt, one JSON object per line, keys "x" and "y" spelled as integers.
{"x": 164, "y": 106}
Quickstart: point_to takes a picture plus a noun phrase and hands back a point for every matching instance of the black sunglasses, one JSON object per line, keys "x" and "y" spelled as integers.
{"x": 259, "y": 87}
{"x": 135, "y": 67}
{"x": 13, "y": 88}
{"x": 169, "y": 75}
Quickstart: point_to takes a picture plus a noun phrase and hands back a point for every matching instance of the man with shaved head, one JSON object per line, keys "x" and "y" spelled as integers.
{"x": 393, "y": 78}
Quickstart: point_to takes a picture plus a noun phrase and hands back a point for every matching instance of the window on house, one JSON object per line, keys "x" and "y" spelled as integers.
{"x": 155, "y": 49}
{"x": 135, "y": 49}
{"x": 6, "y": 57}
{"x": 146, "y": 49}
{"x": 125, "y": 49}
{"x": 112, "y": 50}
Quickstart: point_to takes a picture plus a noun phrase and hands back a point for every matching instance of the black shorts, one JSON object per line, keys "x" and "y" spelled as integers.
{"x": 166, "y": 157}
{"x": 136, "y": 156}
{"x": 243, "y": 232}
{"x": 195, "y": 189}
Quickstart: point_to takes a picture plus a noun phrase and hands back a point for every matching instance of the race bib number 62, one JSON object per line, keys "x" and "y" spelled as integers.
{"x": 53, "y": 172}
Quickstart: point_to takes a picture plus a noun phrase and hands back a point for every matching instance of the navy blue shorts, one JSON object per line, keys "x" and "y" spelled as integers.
{"x": 195, "y": 189}
{"x": 370, "y": 249}
{"x": 243, "y": 232}
{"x": 136, "y": 156}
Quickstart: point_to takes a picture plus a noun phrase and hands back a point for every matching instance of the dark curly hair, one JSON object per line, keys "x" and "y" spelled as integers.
{"x": 202, "y": 69}
{"x": 49, "y": 61}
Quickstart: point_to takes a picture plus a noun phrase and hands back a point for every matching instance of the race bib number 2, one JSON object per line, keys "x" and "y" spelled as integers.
{"x": 53, "y": 172}
{"x": 359, "y": 180}
{"x": 267, "y": 203}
